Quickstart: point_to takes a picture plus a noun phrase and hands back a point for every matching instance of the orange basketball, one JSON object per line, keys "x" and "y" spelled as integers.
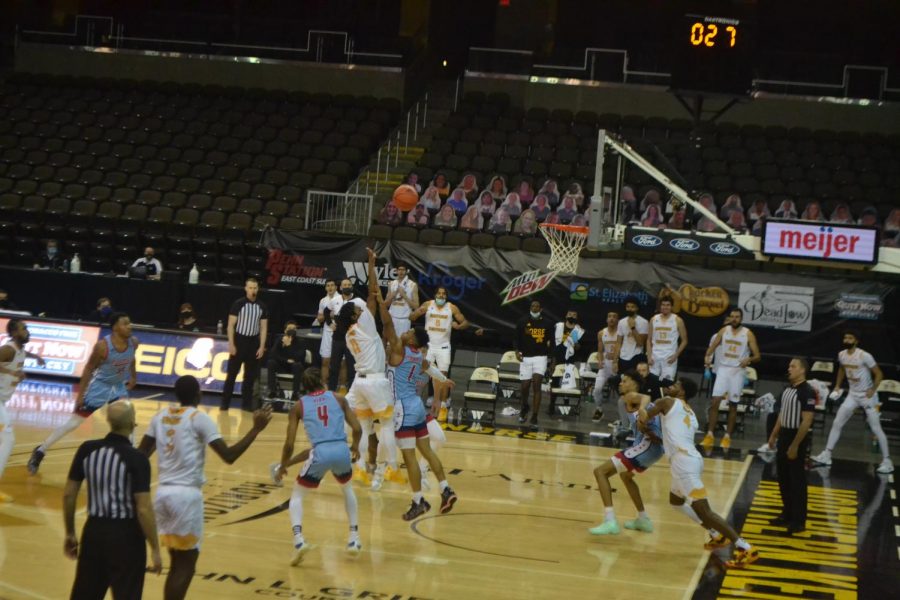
{"x": 406, "y": 197}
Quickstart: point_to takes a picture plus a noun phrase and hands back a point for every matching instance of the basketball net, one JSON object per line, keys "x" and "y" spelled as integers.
{"x": 566, "y": 242}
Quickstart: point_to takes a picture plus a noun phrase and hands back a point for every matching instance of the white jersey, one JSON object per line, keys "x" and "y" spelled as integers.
{"x": 8, "y": 382}
{"x": 364, "y": 342}
{"x": 323, "y": 304}
{"x": 858, "y": 369}
{"x": 400, "y": 308}
{"x": 665, "y": 335}
{"x": 678, "y": 427}
{"x": 630, "y": 347}
{"x": 182, "y": 434}
{"x": 334, "y": 304}
{"x": 438, "y": 324}
{"x": 737, "y": 346}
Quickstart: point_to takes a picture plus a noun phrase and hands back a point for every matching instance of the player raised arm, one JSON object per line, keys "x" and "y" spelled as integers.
{"x": 353, "y": 423}
{"x": 388, "y": 332}
{"x": 374, "y": 290}
{"x": 230, "y": 454}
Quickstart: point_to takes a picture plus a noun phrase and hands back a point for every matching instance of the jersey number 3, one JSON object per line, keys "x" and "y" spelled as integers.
{"x": 322, "y": 413}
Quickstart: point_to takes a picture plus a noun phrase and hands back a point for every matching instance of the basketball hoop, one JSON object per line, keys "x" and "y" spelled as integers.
{"x": 566, "y": 242}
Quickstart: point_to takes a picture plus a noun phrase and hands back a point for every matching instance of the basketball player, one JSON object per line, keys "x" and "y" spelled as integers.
{"x": 687, "y": 493}
{"x": 325, "y": 320}
{"x": 406, "y": 365}
{"x": 632, "y": 336}
{"x": 666, "y": 340}
{"x": 730, "y": 372}
{"x": 108, "y": 376}
{"x": 370, "y": 394}
{"x": 863, "y": 378}
{"x": 12, "y": 365}
{"x": 607, "y": 359}
{"x": 441, "y": 317}
{"x": 532, "y": 349}
{"x": 323, "y": 414}
{"x": 181, "y": 434}
{"x": 646, "y": 450}
{"x": 403, "y": 298}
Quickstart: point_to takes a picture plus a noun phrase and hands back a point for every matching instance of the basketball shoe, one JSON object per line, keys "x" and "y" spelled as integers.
{"x": 742, "y": 558}
{"x": 448, "y": 499}
{"x": 416, "y": 510}
{"x": 714, "y": 542}
{"x": 395, "y": 476}
{"x": 606, "y": 528}
{"x": 640, "y": 524}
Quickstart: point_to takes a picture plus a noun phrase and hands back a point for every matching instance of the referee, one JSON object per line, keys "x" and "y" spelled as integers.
{"x": 120, "y": 513}
{"x": 248, "y": 323}
{"x": 798, "y": 405}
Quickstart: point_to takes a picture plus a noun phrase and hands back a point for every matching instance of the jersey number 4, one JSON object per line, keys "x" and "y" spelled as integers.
{"x": 322, "y": 413}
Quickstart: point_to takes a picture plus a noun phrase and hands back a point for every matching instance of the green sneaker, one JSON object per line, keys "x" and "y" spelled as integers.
{"x": 640, "y": 524}
{"x": 605, "y": 528}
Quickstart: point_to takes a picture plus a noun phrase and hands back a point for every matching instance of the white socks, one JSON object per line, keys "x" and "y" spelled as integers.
{"x": 63, "y": 430}
{"x": 386, "y": 439}
{"x": 351, "y": 505}
{"x": 7, "y": 441}
{"x": 609, "y": 514}
{"x": 295, "y": 508}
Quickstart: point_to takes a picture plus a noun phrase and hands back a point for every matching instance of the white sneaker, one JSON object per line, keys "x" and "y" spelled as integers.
{"x": 299, "y": 550}
{"x": 885, "y": 467}
{"x": 378, "y": 477}
{"x": 354, "y": 546}
{"x": 273, "y": 473}
{"x": 823, "y": 458}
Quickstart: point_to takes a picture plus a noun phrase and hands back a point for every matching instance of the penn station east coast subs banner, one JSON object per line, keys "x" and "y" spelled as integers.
{"x": 478, "y": 282}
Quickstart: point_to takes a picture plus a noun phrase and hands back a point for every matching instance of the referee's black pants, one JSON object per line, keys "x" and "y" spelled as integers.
{"x": 792, "y": 478}
{"x": 340, "y": 351}
{"x": 247, "y": 346}
{"x": 113, "y": 554}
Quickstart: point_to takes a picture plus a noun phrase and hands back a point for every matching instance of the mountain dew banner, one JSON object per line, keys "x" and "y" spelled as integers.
{"x": 494, "y": 288}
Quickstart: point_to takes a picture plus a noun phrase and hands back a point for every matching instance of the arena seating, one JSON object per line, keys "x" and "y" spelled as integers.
{"x": 195, "y": 171}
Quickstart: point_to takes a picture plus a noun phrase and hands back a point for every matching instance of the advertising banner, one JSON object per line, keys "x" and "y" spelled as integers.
{"x": 674, "y": 241}
{"x": 782, "y": 307}
{"x": 859, "y": 306}
{"x": 65, "y": 347}
{"x": 821, "y": 241}
{"x": 163, "y": 357}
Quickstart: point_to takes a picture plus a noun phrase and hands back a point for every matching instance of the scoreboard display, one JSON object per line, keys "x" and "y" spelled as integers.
{"x": 712, "y": 53}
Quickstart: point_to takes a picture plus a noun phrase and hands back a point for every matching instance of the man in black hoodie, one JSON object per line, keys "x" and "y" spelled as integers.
{"x": 534, "y": 335}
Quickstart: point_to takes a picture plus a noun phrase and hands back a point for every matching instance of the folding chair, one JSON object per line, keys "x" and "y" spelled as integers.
{"x": 823, "y": 370}
{"x": 480, "y": 398}
{"x": 570, "y": 397}
{"x": 588, "y": 373}
{"x": 508, "y": 370}
{"x": 889, "y": 394}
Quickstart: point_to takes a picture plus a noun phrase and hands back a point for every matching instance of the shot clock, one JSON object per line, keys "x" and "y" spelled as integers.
{"x": 712, "y": 53}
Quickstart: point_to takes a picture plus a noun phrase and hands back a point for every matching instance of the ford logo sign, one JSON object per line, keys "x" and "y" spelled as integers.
{"x": 724, "y": 248}
{"x": 685, "y": 245}
{"x": 646, "y": 241}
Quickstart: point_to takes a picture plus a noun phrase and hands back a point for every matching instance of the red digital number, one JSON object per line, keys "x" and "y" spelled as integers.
{"x": 322, "y": 413}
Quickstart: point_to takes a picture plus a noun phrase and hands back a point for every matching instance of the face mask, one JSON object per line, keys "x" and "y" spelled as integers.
{"x": 290, "y": 333}
{"x": 51, "y": 251}
{"x": 848, "y": 345}
{"x": 148, "y": 256}
{"x": 346, "y": 291}
{"x": 571, "y": 321}
{"x": 186, "y": 314}
{"x": 440, "y": 301}
{"x": 535, "y": 315}
{"x": 106, "y": 311}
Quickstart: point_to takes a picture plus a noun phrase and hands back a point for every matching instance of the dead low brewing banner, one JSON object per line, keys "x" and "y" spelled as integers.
{"x": 790, "y": 313}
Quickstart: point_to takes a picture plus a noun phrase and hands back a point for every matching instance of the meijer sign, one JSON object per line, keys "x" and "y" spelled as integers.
{"x": 823, "y": 241}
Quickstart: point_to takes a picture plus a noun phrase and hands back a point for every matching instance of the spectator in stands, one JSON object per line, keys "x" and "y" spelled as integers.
{"x": 567, "y": 209}
{"x": 472, "y": 221}
{"x": 869, "y": 217}
{"x": 678, "y": 220}
{"x": 737, "y": 222}
{"x": 187, "y": 320}
{"x": 732, "y": 204}
{"x": 526, "y": 224}
{"x": 813, "y": 212}
{"x": 5, "y": 302}
{"x": 390, "y": 215}
{"x": 512, "y": 205}
{"x": 552, "y": 218}
{"x": 651, "y": 197}
{"x": 497, "y": 187}
{"x": 458, "y": 202}
{"x": 50, "y": 258}
{"x": 418, "y": 217}
{"x": 759, "y": 210}
{"x": 706, "y": 225}
{"x": 541, "y": 207}
{"x": 629, "y": 205}
{"x": 576, "y": 194}
{"x": 708, "y": 202}
{"x": 487, "y": 205}
{"x": 146, "y": 266}
{"x": 841, "y": 215}
{"x": 101, "y": 312}
{"x": 526, "y": 193}
{"x": 651, "y": 216}
{"x": 551, "y": 191}
{"x": 469, "y": 186}
{"x": 443, "y": 186}
{"x": 500, "y": 222}
{"x": 786, "y": 210}
{"x": 431, "y": 200}
{"x": 757, "y": 227}
{"x": 892, "y": 223}
{"x": 446, "y": 218}
{"x": 413, "y": 180}
{"x": 286, "y": 354}
{"x": 579, "y": 221}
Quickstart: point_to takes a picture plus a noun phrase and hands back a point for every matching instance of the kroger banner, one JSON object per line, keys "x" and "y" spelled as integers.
{"x": 65, "y": 347}
{"x": 493, "y": 290}
{"x": 673, "y": 241}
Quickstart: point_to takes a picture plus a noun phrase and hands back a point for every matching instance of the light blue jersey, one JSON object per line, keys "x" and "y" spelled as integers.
{"x": 108, "y": 381}
{"x": 404, "y": 379}
{"x": 653, "y": 425}
{"x": 323, "y": 418}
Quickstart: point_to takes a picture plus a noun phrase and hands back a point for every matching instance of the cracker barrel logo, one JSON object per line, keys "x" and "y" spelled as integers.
{"x": 699, "y": 302}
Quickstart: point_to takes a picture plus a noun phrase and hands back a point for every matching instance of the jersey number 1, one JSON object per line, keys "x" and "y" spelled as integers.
{"x": 322, "y": 413}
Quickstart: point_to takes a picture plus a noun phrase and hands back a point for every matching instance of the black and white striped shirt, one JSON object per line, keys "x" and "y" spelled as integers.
{"x": 115, "y": 471}
{"x": 248, "y": 314}
{"x": 795, "y": 400}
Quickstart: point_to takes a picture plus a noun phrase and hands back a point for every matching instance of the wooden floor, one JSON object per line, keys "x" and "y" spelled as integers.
{"x": 518, "y": 530}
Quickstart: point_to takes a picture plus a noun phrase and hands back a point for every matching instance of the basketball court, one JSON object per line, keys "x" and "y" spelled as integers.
{"x": 519, "y": 529}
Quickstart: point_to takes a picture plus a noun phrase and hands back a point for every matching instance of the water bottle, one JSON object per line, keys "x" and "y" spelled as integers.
{"x": 194, "y": 275}
{"x": 75, "y": 265}
{"x": 220, "y": 329}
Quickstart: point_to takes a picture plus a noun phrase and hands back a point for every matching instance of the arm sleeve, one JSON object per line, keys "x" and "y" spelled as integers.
{"x": 235, "y": 308}
{"x": 76, "y": 471}
{"x": 140, "y": 476}
{"x": 206, "y": 428}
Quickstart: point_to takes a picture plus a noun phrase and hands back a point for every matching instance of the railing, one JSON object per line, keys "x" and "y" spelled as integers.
{"x": 322, "y": 46}
{"x": 337, "y": 212}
